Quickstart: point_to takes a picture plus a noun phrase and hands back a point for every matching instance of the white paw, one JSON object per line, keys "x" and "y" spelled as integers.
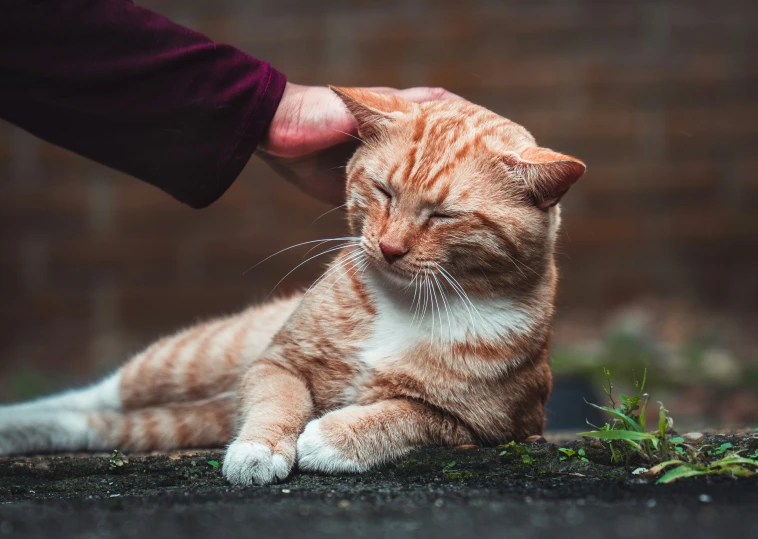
{"x": 316, "y": 454}
{"x": 246, "y": 463}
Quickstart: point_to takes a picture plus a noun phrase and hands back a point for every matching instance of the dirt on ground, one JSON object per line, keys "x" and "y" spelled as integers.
{"x": 441, "y": 493}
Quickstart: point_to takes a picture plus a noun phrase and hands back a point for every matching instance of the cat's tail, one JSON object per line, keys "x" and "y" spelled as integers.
{"x": 207, "y": 423}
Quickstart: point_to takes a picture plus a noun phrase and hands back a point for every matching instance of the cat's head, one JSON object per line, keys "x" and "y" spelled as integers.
{"x": 453, "y": 185}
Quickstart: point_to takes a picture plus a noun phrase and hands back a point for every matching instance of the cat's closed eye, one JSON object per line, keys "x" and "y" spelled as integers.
{"x": 384, "y": 192}
{"x": 439, "y": 216}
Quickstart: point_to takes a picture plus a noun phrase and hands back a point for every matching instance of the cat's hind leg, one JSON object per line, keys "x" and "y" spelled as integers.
{"x": 208, "y": 423}
{"x": 194, "y": 364}
{"x": 202, "y": 361}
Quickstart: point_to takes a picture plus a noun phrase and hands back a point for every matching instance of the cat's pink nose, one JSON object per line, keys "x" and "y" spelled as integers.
{"x": 392, "y": 251}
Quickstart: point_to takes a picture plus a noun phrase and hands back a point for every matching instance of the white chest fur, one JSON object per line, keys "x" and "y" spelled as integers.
{"x": 405, "y": 320}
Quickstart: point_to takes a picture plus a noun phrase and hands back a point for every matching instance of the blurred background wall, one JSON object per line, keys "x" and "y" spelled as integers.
{"x": 659, "y": 253}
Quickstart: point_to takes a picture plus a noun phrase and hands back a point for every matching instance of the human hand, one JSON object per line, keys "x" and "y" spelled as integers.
{"x": 312, "y": 136}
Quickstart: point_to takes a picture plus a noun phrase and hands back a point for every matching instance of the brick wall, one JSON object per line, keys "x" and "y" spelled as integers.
{"x": 658, "y": 97}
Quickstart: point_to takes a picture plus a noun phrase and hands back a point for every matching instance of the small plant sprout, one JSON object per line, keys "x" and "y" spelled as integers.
{"x": 627, "y": 436}
{"x": 116, "y": 461}
{"x": 517, "y": 450}
{"x": 452, "y": 473}
{"x": 214, "y": 463}
{"x": 570, "y": 453}
{"x": 720, "y": 450}
{"x": 626, "y": 432}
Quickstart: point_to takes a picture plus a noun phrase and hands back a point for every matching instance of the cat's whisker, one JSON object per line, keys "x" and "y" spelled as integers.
{"x": 447, "y": 309}
{"x": 323, "y": 240}
{"x": 444, "y": 302}
{"x": 353, "y": 263}
{"x": 460, "y": 292}
{"x": 360, "y": 266}
{"x": 343, "y": 264}
{"x": 414, "y": 282}
{"x": 416, "y": 296}
{"x": 464, "y": 298}
{"x": 337, "y": 265}
{"x": 350, "y": 135}
{"x": 431, "y": 303}
{"x": 425, "y": 290}
{"x": 519, "y": 265}
{"x": 346, "y": 244}
{"x": 329, "y": 211}
{"x": 436, "y": 303}
{"x": 454, "y": 280}
{"x": 304, "y": 262}
{"x": 431, "y": 306}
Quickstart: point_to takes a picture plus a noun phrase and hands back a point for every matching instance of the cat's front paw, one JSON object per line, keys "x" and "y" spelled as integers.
{"x": 315, "y": 453}
{"x": 246, "y": 463}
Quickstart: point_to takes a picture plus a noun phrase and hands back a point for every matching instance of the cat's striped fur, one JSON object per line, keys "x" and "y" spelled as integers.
{"x": 431, "y": 326}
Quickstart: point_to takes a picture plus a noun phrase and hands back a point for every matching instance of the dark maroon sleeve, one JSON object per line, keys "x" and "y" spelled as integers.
{"x": 130, "y": 89}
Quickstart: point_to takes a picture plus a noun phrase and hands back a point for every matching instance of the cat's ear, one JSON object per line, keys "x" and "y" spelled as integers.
{"x": 547, "y": 174}
{"x": 372, "y": 110}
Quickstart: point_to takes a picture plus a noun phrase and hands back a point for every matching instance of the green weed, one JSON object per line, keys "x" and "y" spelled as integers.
{"x": 569, "y": 453}
{"x": 733, "y": 465}
{"x": 723, "y": 448}
{"x": 116, "y": 461}
{"x": 451, "y": 473}
{"x": 517, "y": 450}
{"x": 626, "y": 435}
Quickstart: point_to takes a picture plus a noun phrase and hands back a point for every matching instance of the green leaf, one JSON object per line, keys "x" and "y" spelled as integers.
{"x": 618, "y": 435}
{"x": 739, "y": 471}
{"x": 615, "y": 413}
{"x": 662, "y": 421}
{"x": 677, "y": 440}
{"x": 527, "y": 459}
{"x": 581, "y": 452}
{"x": 564, "y": 458}
{"x": 722, "y": 448}
{"x": 449, "y": 466}
{"x": 643, "y": 412}
{"x": 566, "y": 451}
{"x": 584, "y": 459}
{"x": 680, "y": 472}
{"x": 655, "y": 470}
{"x": 729, "y": 461}
{"x": 214, "y": 463}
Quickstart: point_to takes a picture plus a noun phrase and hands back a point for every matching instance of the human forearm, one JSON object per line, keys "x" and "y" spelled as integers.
{"x": 130, "y": 89}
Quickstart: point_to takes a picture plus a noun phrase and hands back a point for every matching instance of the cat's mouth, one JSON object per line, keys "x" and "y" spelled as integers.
{"x": 396, "y": 273}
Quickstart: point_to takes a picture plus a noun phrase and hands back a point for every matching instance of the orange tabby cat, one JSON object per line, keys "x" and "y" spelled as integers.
{"x": 431, "y": 326}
